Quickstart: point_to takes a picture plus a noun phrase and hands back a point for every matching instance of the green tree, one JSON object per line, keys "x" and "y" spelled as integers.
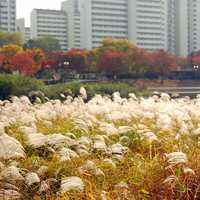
{"x": 10, "y": 38}
{"x": 48, "y": 44}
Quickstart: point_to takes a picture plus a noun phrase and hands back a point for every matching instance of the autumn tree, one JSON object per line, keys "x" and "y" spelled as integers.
{"x": 112, "y": 56}
{"x": 38, "y": 55}
{"x": 163, "y": 62}
{"x": 53, "y": 64}
{"x": 113, "y": 63}
{"x": 138, "y": 60}
{"x": 49, "y": 64}
{"x": 48, "y": 69}
{"x": 2, "y": 60}
{"x": 77, "y": 60}
{"x": 23, "y": 63}
{"x": 6, "y": 53}
{"x": 92, "y": 59}
{"x": 116, "y": 45}
{"x": 74, "y": 59}
{"x": 196, "y": 60}
{"x": 183, "y": 62}
{"x": 10, "y": 50}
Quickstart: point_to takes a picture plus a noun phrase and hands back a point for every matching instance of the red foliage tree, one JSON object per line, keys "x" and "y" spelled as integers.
{"x": 77, "y": 59}
{"x": 24, "y": 64}
{"x": 163, "y": 62}
{"x": 183, "y": 62}
{"x": 196, "y": 60}
{"x": 49, "y": 64}
{"x": 55, "y": 60}
{"x": 113, "y": 62}
{"x": 2, "y": 59}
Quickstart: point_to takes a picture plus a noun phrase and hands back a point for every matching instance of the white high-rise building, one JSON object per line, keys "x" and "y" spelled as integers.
{"x": 101, "y": 19}
{"x": 8, "y": 15}
{"x": 148, "y": 24}
{"x": 194, "y": 25}
{"x": 50, "y": 23}
{"x": 182, "y": 27}
{"x": 171, "y": 23}
{"x": 187, "y": 26}
{"x": 72, "y": 9}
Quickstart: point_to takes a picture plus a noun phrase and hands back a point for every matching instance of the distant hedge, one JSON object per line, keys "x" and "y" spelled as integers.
{"x": 17, "y": 85}
{"x": 20, "y": 85}
{"x": 54, "y": 91}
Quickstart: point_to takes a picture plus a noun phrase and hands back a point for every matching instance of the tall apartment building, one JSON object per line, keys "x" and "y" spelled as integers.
{"x": 194, "y": 24}
{"x": 51, "y": 23}
{"x": 148, "y": 24}
{"x": 103, "y": 18}
{"x": 182, "y": 27}
{"x": 171, "y": 23}
{"x": 8, "y": 15}
{"x": 72, "y": 9}
{"x": 187, "y": 26}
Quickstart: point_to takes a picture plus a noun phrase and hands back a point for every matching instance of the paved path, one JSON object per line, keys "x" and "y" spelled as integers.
{"x": 180, "y": 90}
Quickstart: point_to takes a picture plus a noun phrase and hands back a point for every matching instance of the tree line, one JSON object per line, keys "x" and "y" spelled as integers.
{"x": 113, "y": 57}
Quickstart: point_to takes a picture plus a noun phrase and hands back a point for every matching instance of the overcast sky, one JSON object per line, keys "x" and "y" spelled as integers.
{"x": 24, "y": 7}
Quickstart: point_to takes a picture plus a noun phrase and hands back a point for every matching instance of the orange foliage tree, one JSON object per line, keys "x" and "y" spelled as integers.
{"x": 10, "y": 50}
{"x": 38, "y": 55}
{"x": 14, "y": 58}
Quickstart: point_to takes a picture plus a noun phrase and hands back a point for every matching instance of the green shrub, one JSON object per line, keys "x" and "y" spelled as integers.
{"x": 109, "y": 88}
{"x": 20, "y": 85}
{"x": 17, "y": 85}
{"x": 54, "y": 91}
{"x": 5, "y": 87}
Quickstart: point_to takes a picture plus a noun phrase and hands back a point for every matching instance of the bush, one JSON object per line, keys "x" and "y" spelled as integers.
{"x": 109, "y": 88}
{"x": 5, "y": 87}
{"x": 54, "y": 91}
{"x": 20, "y": 85}
{"x": 17, "y": 85}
